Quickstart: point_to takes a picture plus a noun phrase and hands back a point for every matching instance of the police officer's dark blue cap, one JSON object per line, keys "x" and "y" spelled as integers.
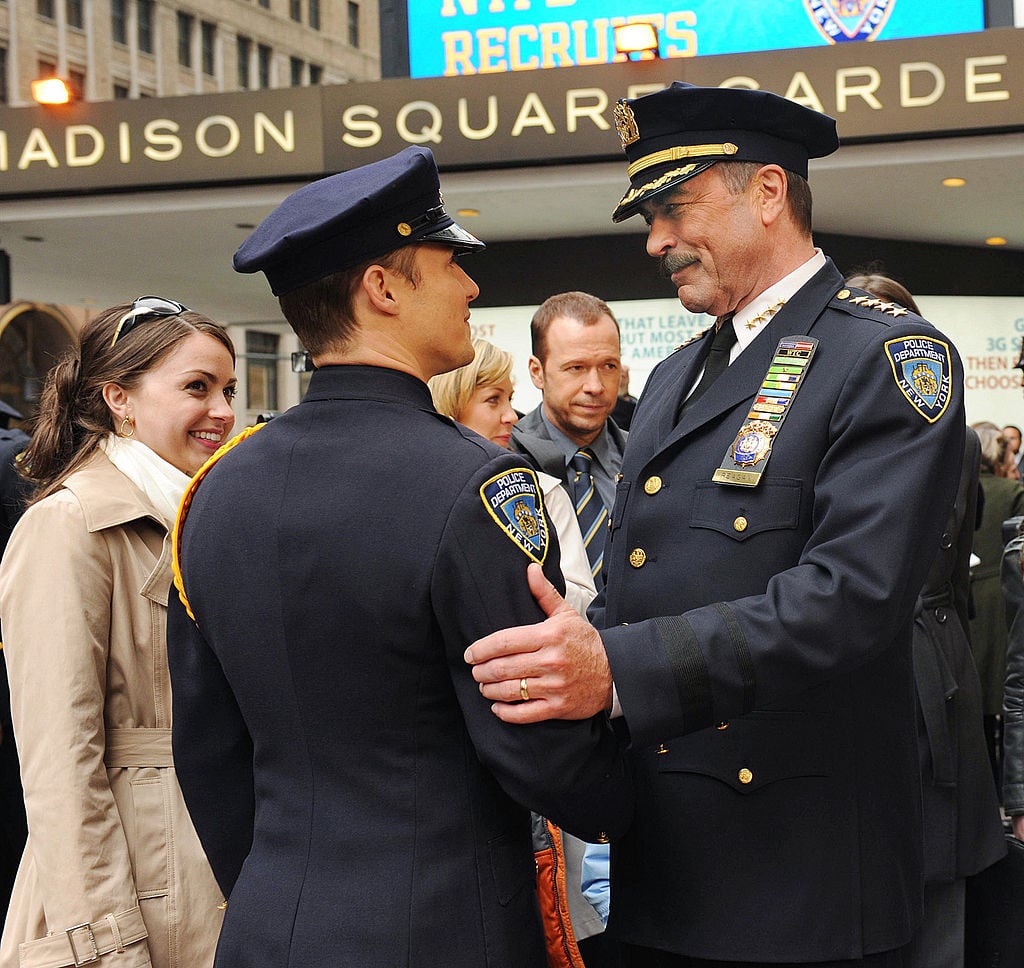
{"x": 345, "y": 219}
{"x": 675, "y": 134}
{"x": 8, "y": 412}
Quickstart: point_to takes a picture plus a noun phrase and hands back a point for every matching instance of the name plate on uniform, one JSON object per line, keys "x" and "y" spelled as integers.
{"x": 748, "y": 454}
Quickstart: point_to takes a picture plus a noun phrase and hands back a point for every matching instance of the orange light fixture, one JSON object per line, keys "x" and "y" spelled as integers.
{"x": 954, "y": 182}
{"x": 51, "y": 90}
{"x": 995, "y": 240}
{"x": 637, "y": 38}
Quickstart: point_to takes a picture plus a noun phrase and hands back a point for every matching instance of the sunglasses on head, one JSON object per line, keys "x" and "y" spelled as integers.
{"x": 146, "y": 307}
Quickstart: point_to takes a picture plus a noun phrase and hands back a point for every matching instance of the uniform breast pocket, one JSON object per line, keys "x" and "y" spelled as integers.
{"x": 754, "y": 751}
{"x": 742, "y": 512}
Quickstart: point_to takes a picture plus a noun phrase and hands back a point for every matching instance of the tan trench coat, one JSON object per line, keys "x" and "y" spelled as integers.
{"x": 111, "y": 848}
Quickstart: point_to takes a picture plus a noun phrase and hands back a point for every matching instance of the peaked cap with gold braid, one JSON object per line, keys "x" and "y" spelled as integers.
{"x": 674, "y": 134}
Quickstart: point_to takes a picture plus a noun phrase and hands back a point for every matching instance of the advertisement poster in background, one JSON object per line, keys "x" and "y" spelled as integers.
{"x": 986, "y": 330}
{"x": 451, "y": 37}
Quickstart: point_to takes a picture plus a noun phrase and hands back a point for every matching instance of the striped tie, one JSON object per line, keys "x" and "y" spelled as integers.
{"x": 590, "y": 511}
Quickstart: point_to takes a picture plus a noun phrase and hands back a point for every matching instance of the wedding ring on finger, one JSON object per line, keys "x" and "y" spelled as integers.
{"x": 523, "y": 691}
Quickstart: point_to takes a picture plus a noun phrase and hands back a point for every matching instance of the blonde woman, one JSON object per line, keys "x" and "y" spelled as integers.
{"x": 479, "y": 396}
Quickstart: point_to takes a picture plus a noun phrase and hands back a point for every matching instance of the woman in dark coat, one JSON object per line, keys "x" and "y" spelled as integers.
{"x": 1003, "y": 498}
{"x": 962, "y": 829}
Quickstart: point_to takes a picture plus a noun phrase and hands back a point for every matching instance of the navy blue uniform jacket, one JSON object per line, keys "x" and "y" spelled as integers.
{"x": 765, "y": 673}
{"x": 357, "y": 798}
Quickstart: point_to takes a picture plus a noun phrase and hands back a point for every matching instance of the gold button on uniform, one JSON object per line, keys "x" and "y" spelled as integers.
{"x": 740, "y": 524}
{"x": 724, "y": 725}
{"x": 662, "y": 749}
{"x": 745, "y": 776}
{"x": 637, "y": 557}
{"x": 653, "y": 484}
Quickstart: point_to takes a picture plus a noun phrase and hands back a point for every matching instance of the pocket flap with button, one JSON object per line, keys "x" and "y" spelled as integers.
{"x": 742, "y": 512}
{"x": 755, "y": 750}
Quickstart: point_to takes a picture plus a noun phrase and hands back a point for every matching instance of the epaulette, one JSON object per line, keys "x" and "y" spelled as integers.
{"x": 857, "y": 300}
{"x": 697, "y": 337}
{"x": 186, "y": 503}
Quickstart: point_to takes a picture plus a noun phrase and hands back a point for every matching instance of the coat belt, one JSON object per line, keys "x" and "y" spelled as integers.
{"x": 138, "y": 747}
{"x": 84, "y": 944}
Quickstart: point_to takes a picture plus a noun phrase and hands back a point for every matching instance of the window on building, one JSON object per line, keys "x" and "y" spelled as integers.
{"x": 120, "y": 92}
{"x": 297, "y": 65}
{"x": 76, "y": 81}
{"x": 316, "y": 73}
{"x": 295, "y": 9}
{"x": 263, "y": 53}
{"x": 244, "y": 61}
{"x": 314, "y": 14}
{"x": 119, "y": 21}
{"x": 44, "y": 8}
{"x": 353, "y": 24}
{"x": 265, "y": 4}
{"x": 145, "y": 8}
{"x": 3, "y": 75}
{"x": 209, "y": 43}
{"x": 261, "y": 370}
{"x": 186, "y": 22}
{"x": 75, "y": 14}
{"x": 46, "y": 69}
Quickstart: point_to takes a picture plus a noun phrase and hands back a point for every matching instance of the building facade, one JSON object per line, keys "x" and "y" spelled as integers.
{"x": 113, "y": 49}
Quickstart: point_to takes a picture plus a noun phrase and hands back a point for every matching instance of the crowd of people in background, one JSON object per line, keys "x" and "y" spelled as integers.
{"x": 407, "y": 676}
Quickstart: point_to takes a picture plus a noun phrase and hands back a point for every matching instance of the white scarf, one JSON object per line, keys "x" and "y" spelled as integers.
{"x": 161, "y": 482}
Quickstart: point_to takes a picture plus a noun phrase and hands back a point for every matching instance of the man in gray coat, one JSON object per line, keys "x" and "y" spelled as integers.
{"x": 576, "y": 365}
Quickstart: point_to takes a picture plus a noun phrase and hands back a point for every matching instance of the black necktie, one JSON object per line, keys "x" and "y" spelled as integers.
{"x": 590, "y": 510}
{"x": 718, "y": 359}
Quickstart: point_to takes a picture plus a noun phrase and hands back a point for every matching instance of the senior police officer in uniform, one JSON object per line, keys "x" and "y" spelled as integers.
{"x": 784, "y": 486}
{"x": 359, "y": 803}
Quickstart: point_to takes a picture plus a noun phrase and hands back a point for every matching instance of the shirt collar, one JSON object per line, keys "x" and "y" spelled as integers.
{"x": 600, "y": 446}
{"x": 753, "y": 317}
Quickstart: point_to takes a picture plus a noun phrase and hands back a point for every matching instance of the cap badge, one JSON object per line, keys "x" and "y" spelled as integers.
{"x": 404, "y": 229}
{"x": 625, "y": 123}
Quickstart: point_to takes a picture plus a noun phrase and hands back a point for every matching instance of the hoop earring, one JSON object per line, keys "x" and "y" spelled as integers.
{"x": 130, "y": 432}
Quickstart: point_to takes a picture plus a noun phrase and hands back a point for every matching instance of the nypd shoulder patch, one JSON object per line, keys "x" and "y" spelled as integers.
{"x": 513, "y": 500}
{"x": 921, "y": 368}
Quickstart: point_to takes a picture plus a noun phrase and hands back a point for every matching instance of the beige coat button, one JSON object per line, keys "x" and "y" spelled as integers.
{"x": 653, "y": 484}
{"x": 740, "y": 524}
{"x": 637, "y": 557}
{"x": 745, "y": 776}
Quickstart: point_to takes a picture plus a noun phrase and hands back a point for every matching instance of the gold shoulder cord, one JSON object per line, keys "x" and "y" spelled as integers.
{"x": 186, "y": 503}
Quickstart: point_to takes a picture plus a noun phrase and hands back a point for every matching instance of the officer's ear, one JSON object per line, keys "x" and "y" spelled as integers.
{"x": 377, "y": 284}
{"x": 771, "y": 186}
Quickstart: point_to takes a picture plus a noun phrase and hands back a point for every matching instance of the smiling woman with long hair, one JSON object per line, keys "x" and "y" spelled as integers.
{"x": 113, "y": 870}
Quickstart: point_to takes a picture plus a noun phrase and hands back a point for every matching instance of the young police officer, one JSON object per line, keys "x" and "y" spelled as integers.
{"x": 359, "y": 802}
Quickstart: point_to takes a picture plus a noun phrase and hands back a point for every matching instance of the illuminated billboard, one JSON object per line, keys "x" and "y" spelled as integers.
{"x": 453, "y": 37}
